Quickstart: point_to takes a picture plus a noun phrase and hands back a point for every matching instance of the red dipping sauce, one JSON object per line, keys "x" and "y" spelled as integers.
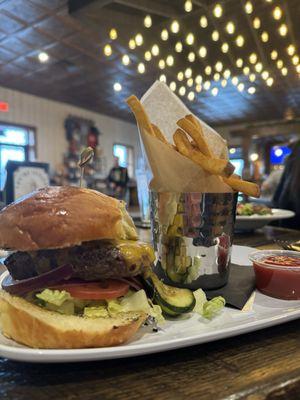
{"x": 277, "y": 273}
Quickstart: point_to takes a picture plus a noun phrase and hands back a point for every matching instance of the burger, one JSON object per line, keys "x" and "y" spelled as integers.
{"x": 74, "y": 270}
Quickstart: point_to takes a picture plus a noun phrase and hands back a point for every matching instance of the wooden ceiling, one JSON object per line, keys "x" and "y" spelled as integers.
{"x": 75, "y": 33}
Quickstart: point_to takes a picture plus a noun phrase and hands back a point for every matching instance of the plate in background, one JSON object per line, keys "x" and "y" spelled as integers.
{"x": 252, "y": 222}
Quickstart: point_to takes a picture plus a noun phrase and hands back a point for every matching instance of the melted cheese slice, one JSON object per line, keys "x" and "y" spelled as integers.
{"x": 136, "y": 253}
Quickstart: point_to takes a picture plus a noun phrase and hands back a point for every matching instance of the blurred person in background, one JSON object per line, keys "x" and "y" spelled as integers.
{"x": 287, "y": 194}
{"x": 269, "y": 185}
{"x": 117, "y": 180}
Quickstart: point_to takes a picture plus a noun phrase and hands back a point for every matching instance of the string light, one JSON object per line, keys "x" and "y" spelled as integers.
{"x": 203, "y": 21}
{"x": 230, "y": 28}
{"x": 291, "y": 50}
{"x": 155, "y": 50}
{"x": 251, "y": 90}
{"x": 240, "y": 41}
{"x": 139, "y": 39}
{"x": 279, "y": 64}
{"x": 258, "y": 67}
{"x": 218, "y": 11}
{"x": 173, "y": 86}
{"x": 246, "y": 70}
{"x": 283, "y": 30}
{"x": 217, "y": 77}
{"x": 253, "y": 58}
{"x": 147, "y": 55}
{"x": 219, "y": 66}
{"x": 161, "y": 64}
{"x": 164, "y": 35}
{"x": 239, "y": 62}
{"x": 163, "y": 78}
{"x": 215, "y": 36}
{"x": 198, "y": 79}
{"x": 207, "y": 70}
{"x": 188, "y": 73}
{"x": 182, "y": 90}
{"x": 113, "y": 34}
{"x": 274, "y": 54}
{"x": 190, "y": 82}
{"x": 252, "y": 77}
{"x": 225, "y": 47}
{"x": 188, "y": 6}
{"x": 117, "y": 87}
{"x": 249, "y": 7}
{"x": 206, "y": 85}
{"x": 198, "y": 88}
{"x": 214, "y": 91}
{"x": 297, "y": 69}
{"x": 107, "y": 50}
{"x": 223, "y": 83}
{"x": 295, "y": 60}
{"x": 43, "y": 57}
{"x": 170, "y": 60}
{"x": 235, "y": 80}
{"x": 148, "y": 21}
{"x": 265, "y": 75}
{"x": 264, "y": 36}
{"x": 256, "y": 23}
{"x": 178, "y": 47}
{"x": 126, "y": 59}
{"x": 284, "y": 71}
{"x": 131, "y": 44}
{"x": 189, "y": 39}
{"x": 270, "y": 81}
{"x": 227, "y": 73}
{"x": 277, "y": 13}
{"x": 191, "y": 96}
{"x": 202, "y": 51}
{"x": 180, "y": 76}
{"x": 141, "y": 68}
{"x": 175, "y": 27}
{"x": 191, "y": 56}
{"x": 240, "y": 87}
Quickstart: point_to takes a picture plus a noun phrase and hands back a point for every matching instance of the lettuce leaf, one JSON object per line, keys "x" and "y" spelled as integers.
{"x": 96, "y": 312}
{"x": 212, "y": 307}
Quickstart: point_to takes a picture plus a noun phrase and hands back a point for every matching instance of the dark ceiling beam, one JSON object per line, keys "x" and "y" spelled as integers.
{"x": 79, "y": 6}
{"x": 151, "y": 7}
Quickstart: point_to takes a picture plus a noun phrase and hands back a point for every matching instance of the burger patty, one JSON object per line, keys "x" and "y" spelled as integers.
{"x": 91, "y": 261}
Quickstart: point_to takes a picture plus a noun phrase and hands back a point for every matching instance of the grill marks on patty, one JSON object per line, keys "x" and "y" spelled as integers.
{"x": 91, "y": 261}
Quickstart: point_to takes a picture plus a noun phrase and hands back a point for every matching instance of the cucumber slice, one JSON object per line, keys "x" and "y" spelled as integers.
{"x": 174, "y": 276}
{"x": 166, "y": 311}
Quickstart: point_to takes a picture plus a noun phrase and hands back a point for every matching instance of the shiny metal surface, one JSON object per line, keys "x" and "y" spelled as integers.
{"x": 192, "y": 236}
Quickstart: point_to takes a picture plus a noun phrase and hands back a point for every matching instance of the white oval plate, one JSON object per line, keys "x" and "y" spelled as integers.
{"x": 266, "y": 311}
{"x": 250, "y": 222}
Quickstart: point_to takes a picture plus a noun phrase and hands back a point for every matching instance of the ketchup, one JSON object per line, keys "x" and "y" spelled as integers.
{"x": 278, "y": 276}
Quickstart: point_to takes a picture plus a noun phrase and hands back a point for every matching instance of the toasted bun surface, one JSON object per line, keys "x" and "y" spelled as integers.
{"x": 35, "y": 327}
{"x": 63, "y": 216}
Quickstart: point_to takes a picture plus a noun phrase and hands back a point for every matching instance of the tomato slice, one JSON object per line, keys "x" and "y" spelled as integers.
{"x": 106, "y": 290}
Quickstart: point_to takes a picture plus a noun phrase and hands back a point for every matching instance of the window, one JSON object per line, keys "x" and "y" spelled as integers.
{"x": 126, "y": 157}
{"x": 16, "y": 144}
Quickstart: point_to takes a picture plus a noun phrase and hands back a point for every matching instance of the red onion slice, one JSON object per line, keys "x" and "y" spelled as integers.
{"x": 47, "y": 279}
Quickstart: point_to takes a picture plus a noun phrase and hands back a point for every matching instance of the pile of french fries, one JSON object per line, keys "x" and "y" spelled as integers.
{"x": 189, "y": 141}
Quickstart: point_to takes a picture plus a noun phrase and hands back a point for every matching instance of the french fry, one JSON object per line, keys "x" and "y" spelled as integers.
{"x": 214, "y": 166}
{"x": 239, "y": 185}
{"x": 195, "y": 131}
{"x": 158, "y": 134}
{"x": 140, "y": 114}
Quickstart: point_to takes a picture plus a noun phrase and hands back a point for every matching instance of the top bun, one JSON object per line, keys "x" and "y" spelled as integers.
{"x": 63, "y": 216}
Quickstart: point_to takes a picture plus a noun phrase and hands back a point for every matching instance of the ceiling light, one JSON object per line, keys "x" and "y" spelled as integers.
{"x": 269, "y": 1}
{"x": 265, "y": 75}
{"x": 284, "y": 71}
{"x": 164, "y": 35}
{"x": 218, "y": 11}
{"x": 198, "y": 79}
{"x": 223, "y": 83}
{"x": 274, "y": 54}
{"x": 190, "y": 82}
{"x": 279, "y": 64}
{"x": 126, "y": 59}
{"x": 295, "y": 60}
{"x": 43, "y": 57}
{"x": 198, "y": 88}
{"x": 217, "y": 77}
{"x": 253, "y": 58}
{"x": 163, "y": 78}
{"x": 188, "y": 6}
{"x": 175, "y": 26}
{"x": 206, "y": 85}
{"x": 107, "y": 51}
{"x": 139, "y": 39}
{"x": 191, "y": 56}
{"x": 251, "y": 90}
{"x": 258, "y": 67}
{"x": 226, "y": 73}
{"x": 203, "y": 21}
{"x": 264, "y": 36}
{"x": 117, "y": 87}
{"x": 283, "y": 30}
{"x": 252, "y": 77}
{"x": 113, "y": 34}
{"x": 141, "y": 68}
{"x": 297, "y": 69}
{"x": 246, "y": 70}
{"x": 214, "y": 91}
{"x": 189, "y": 39}
{"x": 270, "y": 81}
{"x": 256, "y": 23}
{"x": 131, "y": 44}
{"x": 147, "y": 55}
{"x": 248, "y": 7}
{"x": 155, "y": 50}
{"x": 170, "y": 60}
{"x": 254, "y": 157}
{"x": 232, "y": 150}
{"x": 225, "y": 47}
{"x": 188, "y": 72}
{"x": 182, "y": 91}
{"x": 277, "y": 13}
{"x": 202, "y": 51}
{"x": 240, "y": 87}
{"x": 178, "y": 47}
{"x": 239, "y": 62}
{"x": 230, "y": 27}
{"x": 291, "y": 50}
{"x": 191, "y": 96}
{"x": 161, "y": 64}
{"x": 148, "y": 21}
{"x": 235, "y": 80}
{"x": 215, "y": 36}
{"x": 207, "y": 70}
{"x": 219, "y": 66}
{"x": 173, "y": 86}
{"x": 180, "y": 76}
{"x": 240, "y": 41}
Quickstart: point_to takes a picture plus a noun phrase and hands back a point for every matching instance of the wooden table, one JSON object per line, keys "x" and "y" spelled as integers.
{"x": 255, "y": 366}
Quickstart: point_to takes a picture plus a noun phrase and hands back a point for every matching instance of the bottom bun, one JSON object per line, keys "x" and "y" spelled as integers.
{"x": 35, "y": 327}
